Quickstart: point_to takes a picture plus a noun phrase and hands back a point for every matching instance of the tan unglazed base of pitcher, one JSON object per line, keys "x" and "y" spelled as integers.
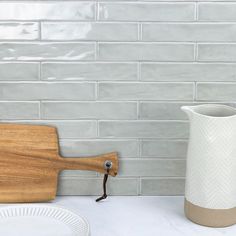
{"x": 210, "y": 217}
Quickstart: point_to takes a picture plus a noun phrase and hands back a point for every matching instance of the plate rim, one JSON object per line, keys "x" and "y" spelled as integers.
{"x": 45, "y": 205}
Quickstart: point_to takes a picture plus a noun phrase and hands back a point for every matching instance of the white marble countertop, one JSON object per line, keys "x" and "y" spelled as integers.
{"x": 138, "y": 216}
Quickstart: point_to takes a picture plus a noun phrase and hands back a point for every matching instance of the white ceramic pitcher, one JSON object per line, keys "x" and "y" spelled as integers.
{"x": 210, "y": 189}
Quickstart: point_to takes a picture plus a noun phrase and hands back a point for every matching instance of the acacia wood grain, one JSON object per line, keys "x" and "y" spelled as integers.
{"x": 30, "y": 163}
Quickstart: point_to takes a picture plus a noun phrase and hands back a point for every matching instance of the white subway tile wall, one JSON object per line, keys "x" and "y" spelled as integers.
{"x": 112, "y": 75}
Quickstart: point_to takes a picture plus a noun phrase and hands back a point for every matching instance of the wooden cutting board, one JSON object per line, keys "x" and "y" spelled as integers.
{"x": 30, "y": 163}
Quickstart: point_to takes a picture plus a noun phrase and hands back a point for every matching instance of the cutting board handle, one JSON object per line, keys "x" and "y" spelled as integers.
{"x": 95, "y": 163}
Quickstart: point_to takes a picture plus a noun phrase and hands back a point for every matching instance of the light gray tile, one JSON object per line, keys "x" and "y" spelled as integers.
{"x": 89, "y": 31}
{"x": 19, "y": 71}
{"x": 162, "y": 186}
{"x": 75, "y": 129}
{"x": 164, "y": 148}
{"x": 89, "y": 71}
{"x": 162, "y": 111}
{"x": 75, "y": 148}
{"x": 65, "y": 129}
{"x": 19, "y": 30}
{"x": 72, "y": 129}
{"x": 216, "y": 91}
{"x": 19, "y": 110}
{"x": 146, "y": 51}
{"x": 184, "y": 32}
{"x": 188, "y": 72}
{"x": 89, "y": 110}
{"x": 224, "y": 11}
{"x": 47, "y": 10}
{"x": 93, "y": 186}
{"x": 143, "y": 129}
{"x": 129, "y": 11}
{"x": 145, "y": 91}
{"x": 46, "y": 51}
{"x": 152, "y": 167}
{"x": 217, "y": 52}
{"x": 44, "y": 91}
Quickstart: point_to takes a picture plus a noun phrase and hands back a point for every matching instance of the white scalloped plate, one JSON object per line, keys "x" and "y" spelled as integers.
{"x": 41, "y": 220}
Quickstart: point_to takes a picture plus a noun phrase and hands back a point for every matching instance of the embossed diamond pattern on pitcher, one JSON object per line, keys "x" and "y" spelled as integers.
{"x": 211, "y": 160}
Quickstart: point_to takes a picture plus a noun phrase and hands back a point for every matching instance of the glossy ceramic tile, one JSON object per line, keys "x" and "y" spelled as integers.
{"x": 149, "y": 167}
{"x": 149, "y": 11}
{"x": 89, "y": 110}
{"x": 125, "y": 147}
{"x": 10, "y": 71}
{"x": 223, "y": 11}
{"x": 224, "y": 52}
{"x": 143, "y": 129}
{"x": 162, "y": 110}
{"x": 19, "y": 110}
{"x": 146, "y": 52}
{"x": 44, "y": 91}
{"x": 90, "y": 31}
{"x": 47, "y": 10}
{"x": 176, "y": 149}
{"x": 22, "y": 51}
{"x": 97, "y": 71}
{"x": 19, "y": 30}
{"x": 74, "y": 129}
{"x": 216, "y": 91}
{"x": 162, "y": 186}
{"x": 188, "y": 72}
{"x": 192, "y": 32}
{"x": 93, "y": 186}
{"x": 145, "y": 91}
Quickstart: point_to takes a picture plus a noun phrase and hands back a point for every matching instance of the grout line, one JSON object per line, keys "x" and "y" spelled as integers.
{"x": 139, "y": 148}
{"x": 40, "y": 71}
{"x": 96, "y": 11}
{"x": 96, "y": 92}
{"x": 40, "y": 111}
{"x": 117, "y": 62}
{"x": 91, "y": 42}
{"x": 151, "y": 101}
{"x": 195, "y": 91}
{"x": 196, "y": 52}
{"x": 40, "y": 31}
{"x": 125, "y": 21}
{"x": 112, "y": 120}
{"x": 139, "y": 71}
{"x": 139, "y": 186}
{"x": 138, "y": 110}
{"x": 80, "y": 101}
{"x": 95, "y": 51}
{"x": 140, "y": 31}
{"x": 97, "y": 129}
{"x": 196, "y": 11}
{"x": 104, "y": 82}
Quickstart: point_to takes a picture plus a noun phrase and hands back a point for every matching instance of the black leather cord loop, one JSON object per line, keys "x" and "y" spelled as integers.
{"x": 104, "y": 196}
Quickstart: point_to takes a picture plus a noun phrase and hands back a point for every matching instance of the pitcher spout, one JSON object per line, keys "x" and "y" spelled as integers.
{"x": 210, "y": 111}
{"x": 188, "y": 110}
